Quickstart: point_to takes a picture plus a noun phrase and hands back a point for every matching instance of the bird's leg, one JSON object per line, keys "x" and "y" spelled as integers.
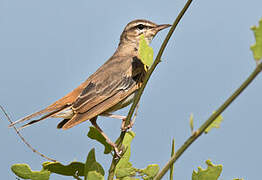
{"x": 132, "y": 122}
{"x": 93, "y": 121}
{"x": 123, "y": 118}
{"x": 129, "y": 126}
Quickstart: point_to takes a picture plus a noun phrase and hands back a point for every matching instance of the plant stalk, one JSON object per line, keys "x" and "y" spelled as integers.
{"x": 210, "y": 120}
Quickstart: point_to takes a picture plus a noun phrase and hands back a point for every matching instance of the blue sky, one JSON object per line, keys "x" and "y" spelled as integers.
{"x": 47, "y": 48}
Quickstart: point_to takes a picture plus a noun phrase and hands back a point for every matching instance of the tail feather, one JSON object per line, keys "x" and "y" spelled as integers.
{"x": 44, "y": 111}
{"x": 56, "y": 106}
{"x": 62, "y": 123}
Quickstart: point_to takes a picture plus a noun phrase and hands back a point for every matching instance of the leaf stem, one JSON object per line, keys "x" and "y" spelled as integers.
{"x": 141, "y": 90}
{"x": 210, "y": 120}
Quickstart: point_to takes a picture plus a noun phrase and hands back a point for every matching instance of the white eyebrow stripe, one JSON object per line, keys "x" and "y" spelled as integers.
{"x": 137, "y": 22}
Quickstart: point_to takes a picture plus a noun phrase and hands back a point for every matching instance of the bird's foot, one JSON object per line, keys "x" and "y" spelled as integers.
{"x": 128, "y": 127}
{"x": 117, "y": 153}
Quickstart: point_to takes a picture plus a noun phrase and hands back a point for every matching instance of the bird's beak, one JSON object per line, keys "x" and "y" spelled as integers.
{"x": 162, "y": 26}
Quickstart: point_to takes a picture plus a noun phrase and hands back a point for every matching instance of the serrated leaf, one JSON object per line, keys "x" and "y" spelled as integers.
{"x": 24, "y": 171}
{"x": 93, "y": 175}
{"x": 257, "y": 47}
{"x": 150, "y": 171}
{"x": 96, "y": 135}
{"x": 211, "y": 173}
{"x": 145, "y": 52}
{"x": 93, "y": 166}
{"x": 74, "y": 168}
{"x": 215, "y": 124}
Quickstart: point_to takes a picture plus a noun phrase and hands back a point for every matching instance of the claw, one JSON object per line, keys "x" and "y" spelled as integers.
{"x": 118, "y": 153}
{"x": 128, "y": 127}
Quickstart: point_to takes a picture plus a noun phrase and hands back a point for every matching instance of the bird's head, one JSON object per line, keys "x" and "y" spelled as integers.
{"x": 134, "y": 29}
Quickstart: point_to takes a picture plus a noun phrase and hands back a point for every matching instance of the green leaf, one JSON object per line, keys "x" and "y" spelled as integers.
{"x": 128, "y": 178}
{"x": 124, "y": 161}
{"x": 257, "y": 47}
{"x": 211, "y": 173}
{"x": 145, "y": 52}
{"x": 74, "y": 168}
{"x": 124, "y": 168}
{"x": 93, "y": 166}
{"x": 90, "y": 160}
{"x": 96, "y": 135}
{"x": 215, "y": 124}
{"x": 24, "y": 171}
{"x": 93, "y": 175}
{"x": 150, "y": 171}
{"x": 126, "y": 171}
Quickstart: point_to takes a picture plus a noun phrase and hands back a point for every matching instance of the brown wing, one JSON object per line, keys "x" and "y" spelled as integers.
{"x": 103, "y": 84}
{"x": 116, "y": 80}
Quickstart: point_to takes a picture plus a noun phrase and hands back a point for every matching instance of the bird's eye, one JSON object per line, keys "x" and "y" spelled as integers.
{"x": 140, "y": 26}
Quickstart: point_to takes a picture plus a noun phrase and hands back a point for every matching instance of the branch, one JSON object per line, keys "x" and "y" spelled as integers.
{"x": 141, "y": 90}
{"x": 210, "y": 120}
{"x": 23, "y": 139}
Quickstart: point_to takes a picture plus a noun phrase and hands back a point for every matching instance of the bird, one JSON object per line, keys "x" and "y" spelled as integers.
{"x": 112, "y": 87}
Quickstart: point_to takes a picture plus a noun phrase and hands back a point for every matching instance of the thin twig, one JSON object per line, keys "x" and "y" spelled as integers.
{"x": 210, "y": 120}
{"x": 171, "y": 176}
{"x": 141, "y": 90}
{"x": 23, "y": 139}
